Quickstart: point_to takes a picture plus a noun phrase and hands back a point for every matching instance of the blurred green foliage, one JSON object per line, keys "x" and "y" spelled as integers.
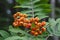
{"x": 38, "y": 8}
{"x": 41, "y": 9}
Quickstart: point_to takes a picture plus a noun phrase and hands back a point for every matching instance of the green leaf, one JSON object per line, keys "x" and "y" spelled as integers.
{"x": 38, "y": 6}
{"x": 57, "y": 34}
{"x": 40, "y": 13}
{"x": 54, "y": 27}
{"x": 37, "y": 10}
{"x": 18, "y": 30}
{"x": 16, "y": 38}
{"x": 27, "y": 2}
{"x": 29, "y": 16}
{"x": 4, "y": 34}
{"x": 46, "y": 10}
{"x": 29, "y": 11}
{"x": 58, "y": 20}
{"x": 22, "y": 1}
{"x": 1, "y": 38}
{"x": 42, "y": 39}
{"x": 44, "y": 1}
{"x": 36, "y": 38}
{"x": 36, "y": 1}
{"x": 22, "y": 7}
{"x": 44, "y": 6}
{"x": 49, "y": 29}
{"x": 58, "y": 27}
{"x": 42, "y": 16}
{"x": 26, "y": 11}
{"x": 13, "y": 34}
{"x": 57, "y": 30}
{"x": 52, "y": 24}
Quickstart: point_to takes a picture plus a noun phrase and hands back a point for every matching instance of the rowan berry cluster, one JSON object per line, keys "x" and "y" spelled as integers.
{"x": 22, "y": 20}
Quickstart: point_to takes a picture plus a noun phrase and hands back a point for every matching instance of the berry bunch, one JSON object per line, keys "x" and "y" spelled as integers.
{"x": 36, "y": 32}
{"x": 38, "y": 28}
{"x": 21, "y": 20}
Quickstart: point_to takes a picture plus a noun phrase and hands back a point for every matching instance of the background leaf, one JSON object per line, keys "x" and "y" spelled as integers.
{"x": 16, "y": 38}
{"x": 37, "y": 5}
{"x": 4, "y": 34}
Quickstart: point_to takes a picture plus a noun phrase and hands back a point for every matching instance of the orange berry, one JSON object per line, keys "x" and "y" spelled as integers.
{"x": 28, "y": 25}
{"x": 14, "y": 16}
{"x": 32, "y": 32}
{"x": 38, "y": 29}
{"x": 43, "y": 23}
{"x": 39, "y": 24}
{"x": 15, "y": 20}
{"x": 35, "y": 22}
{"x": 43, "y": 29}
{"x": 33, "y": 29}
{"x": 24, "y": 24}
{"x": 15, "y": 24}
{"x": 26, "y": 21}
{"x": 24, "y": 15}
{"x": 40, "y": 32}
{"x": 36, "y": 34}
{"x": 18, "y": 12}
{"x": 21, "y": 15}
{"x": 32, "y": 20}
{"x": 21, "y": 18}
{"x": 20, "y": 23}
{"x": 37, "y": 19}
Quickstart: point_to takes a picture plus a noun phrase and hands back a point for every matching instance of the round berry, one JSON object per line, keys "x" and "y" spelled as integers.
{"x": 15, "y": 24}
{"x": 40, "y": 32}
{"x": 32, "y": 32}
{"x": 36, "y": 34}
{"x": 43, "y": 29}
{"x": 43, "y": 23}
{"x": 33, "y": 29}
{"x": 37, "y": 19}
